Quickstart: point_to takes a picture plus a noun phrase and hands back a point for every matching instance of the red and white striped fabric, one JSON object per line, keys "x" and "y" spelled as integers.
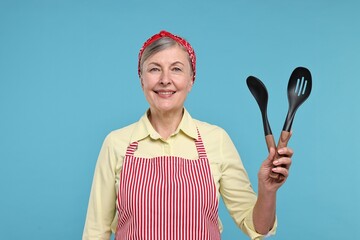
{"x": 167, "y": 198}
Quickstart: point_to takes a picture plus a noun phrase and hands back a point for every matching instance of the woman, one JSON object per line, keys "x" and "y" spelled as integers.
{"x": 161, "y": 177}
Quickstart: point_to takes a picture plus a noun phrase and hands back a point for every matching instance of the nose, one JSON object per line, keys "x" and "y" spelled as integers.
{"x": 165, "y": 78}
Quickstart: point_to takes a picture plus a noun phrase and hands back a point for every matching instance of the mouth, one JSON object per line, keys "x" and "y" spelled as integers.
{"x": 165, "y": 93}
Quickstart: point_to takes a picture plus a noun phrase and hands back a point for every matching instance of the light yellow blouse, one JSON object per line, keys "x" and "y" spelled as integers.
{"x": 229, "y": 175}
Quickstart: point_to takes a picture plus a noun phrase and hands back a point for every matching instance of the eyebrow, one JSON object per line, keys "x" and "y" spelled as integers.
{"x": 177, "y": 62}
{"x": 154, "y": 63}
{"x": 174, "y": 63}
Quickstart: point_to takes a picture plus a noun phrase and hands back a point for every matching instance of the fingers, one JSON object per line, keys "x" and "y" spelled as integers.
{"x": 279, "y": 164}
{"x": 282, "y": 166}
{"x": 282, "y": 171}
{"x": 284, "y": 161}
{"x": 285, "y": 151}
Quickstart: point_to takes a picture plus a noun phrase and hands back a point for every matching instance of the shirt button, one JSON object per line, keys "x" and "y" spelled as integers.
{"x": 167, "y": 148}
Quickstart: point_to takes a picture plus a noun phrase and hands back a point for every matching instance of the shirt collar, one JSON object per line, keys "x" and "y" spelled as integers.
{"x": 145, "y": 129}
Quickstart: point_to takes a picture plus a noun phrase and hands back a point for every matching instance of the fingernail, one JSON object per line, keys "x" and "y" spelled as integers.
{"x": 281, "y": 151}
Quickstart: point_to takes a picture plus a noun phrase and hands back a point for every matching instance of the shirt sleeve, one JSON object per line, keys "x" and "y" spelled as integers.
{"x": 236, "y": 190}
{"x": 102, "y": 202}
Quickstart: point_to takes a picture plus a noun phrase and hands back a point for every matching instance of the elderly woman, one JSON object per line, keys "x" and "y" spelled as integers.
{"x": 162, "y": 177}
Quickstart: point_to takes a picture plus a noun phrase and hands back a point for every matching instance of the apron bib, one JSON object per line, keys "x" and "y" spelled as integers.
{"x": 167, "y": 198}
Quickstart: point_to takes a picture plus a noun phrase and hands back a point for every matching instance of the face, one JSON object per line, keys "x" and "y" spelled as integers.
{"x": 166, "y": 80}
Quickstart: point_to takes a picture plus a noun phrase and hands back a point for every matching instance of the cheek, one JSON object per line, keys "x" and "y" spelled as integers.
{"x": 145, "y": 83}
{"x": 190, "y": 85}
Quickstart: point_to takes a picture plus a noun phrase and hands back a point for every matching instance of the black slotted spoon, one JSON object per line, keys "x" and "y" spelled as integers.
{"x": 298, "y": 90}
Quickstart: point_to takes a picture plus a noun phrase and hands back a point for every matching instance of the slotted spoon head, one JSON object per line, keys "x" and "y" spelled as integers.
{"x": 258, "y": 90}
{"x": 299, "y": 89}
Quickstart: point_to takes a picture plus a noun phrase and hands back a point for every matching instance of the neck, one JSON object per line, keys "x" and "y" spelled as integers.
{"x": 165, "y": 123}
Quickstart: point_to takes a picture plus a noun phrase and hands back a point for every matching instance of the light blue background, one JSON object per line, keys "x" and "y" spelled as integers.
{"x": 68, "y": 76}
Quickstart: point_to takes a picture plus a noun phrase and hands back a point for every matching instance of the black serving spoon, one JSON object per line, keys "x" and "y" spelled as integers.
{"x": 259, "y": 91}
{"x": 299, "y": 89}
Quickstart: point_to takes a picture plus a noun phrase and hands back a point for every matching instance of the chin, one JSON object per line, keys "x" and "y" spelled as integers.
{"x": 168, "y": 108}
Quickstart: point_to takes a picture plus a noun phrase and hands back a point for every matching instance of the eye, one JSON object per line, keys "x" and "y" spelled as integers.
{"x": 154, "y": 69}
{"x": 176, "y": 69}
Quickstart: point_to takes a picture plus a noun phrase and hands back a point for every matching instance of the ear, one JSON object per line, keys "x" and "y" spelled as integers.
{"x": 141, "y": 82}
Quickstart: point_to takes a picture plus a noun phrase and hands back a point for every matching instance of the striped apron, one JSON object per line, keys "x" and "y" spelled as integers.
{"x": 167, "y": 198}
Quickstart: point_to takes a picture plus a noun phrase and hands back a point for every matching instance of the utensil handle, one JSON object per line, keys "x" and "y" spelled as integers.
{"x": 270, "y": 141}
{"x": 283, "y": 141}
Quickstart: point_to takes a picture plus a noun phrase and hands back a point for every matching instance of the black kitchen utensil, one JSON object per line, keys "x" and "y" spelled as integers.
{"x": 299, "y": 88}
{"x": 259, "y": 91}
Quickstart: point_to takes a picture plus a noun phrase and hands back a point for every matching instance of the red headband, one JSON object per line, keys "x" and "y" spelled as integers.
{"x": 179, "y": 40}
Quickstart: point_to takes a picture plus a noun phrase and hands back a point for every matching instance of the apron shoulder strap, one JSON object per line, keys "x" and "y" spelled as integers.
{"x": 132, "y": 148}
{"x": 200, "y": 146}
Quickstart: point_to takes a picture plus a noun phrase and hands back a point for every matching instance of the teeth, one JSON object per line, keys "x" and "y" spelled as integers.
{"x": 165, "y": 93}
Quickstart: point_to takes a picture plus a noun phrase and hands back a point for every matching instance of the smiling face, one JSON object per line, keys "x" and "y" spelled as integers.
{"x": 166, "y": 80}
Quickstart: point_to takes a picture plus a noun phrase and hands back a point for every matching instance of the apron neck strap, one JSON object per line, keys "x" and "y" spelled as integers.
{"x": 198, "y": 142}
